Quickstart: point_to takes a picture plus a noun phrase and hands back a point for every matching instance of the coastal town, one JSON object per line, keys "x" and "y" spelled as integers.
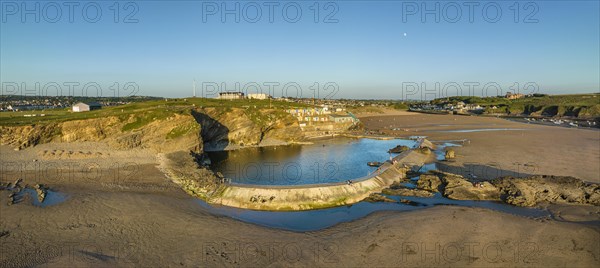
{"x": 315, "y": 112}
{"x": 17, "y": 103}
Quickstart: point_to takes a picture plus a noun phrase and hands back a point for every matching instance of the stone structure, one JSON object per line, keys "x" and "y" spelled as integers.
{"x": 307, "y": 197}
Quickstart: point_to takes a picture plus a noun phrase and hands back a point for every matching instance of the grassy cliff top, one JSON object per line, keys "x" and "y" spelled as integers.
{"x": 575, "y": 105}
{"x": 542, "y": 100}
{"x": 144, "y": 110}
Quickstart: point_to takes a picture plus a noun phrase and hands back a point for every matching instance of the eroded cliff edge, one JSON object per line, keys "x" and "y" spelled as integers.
{"x": 166, "y": 131}
{"x": 178, "y": 136}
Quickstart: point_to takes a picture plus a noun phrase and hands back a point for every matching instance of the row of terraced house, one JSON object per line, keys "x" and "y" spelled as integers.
{"x": 321, "y": 114}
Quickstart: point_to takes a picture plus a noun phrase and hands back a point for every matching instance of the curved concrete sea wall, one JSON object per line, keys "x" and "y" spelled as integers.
{"x": 306, "y": 197}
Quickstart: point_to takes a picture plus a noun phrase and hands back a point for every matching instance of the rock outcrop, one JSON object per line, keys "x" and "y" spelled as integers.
{"x": 41, "y": 191}
{"x": 458, "y": 188}
{"x": 400, "y": 190}
{"x": 429, "y": 182}
{"x": 547, "y": 189}
{"x": 375, "y": 197}
{"x": 182, "y": 169}
{"x": 524, "y": 192}
{"x": 399, "y": 149}
{"x": 407, "y": 192}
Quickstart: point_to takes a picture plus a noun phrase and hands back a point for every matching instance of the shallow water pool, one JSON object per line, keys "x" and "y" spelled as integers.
{"x": 356, "y": 153}
{"x": 477, "y": 130}
{"x": 325, "y": 161}
{"x": 312, "y": 220}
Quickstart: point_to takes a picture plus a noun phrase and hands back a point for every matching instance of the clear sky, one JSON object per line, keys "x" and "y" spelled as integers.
{"x": 368, "y": 49}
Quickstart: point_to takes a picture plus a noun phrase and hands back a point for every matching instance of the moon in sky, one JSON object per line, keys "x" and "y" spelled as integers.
{"x": 404, "y": 34}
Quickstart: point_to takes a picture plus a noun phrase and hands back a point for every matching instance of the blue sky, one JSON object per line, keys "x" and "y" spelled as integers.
{"x": 553, "y": 45}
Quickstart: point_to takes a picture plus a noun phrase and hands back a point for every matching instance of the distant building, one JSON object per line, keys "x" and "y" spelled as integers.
{"x": 86, "y": 106}
{"x": 259, "y": 96}
{"x": 231, "y": 95}
{"x": 341, "y": 118}
{"x": 512, "y": 96}
{"x": 473, "y": 107}
{"x": 16, "y": 108}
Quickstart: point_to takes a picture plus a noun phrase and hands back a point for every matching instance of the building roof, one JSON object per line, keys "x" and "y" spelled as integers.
{"x": 88, "y": 103}
{"x": 230, "y": 92}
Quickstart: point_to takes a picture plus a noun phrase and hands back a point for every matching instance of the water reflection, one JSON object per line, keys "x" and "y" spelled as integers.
{"x": 30, "y": 195}
{"x": 477, "y": 130}
{"x": 325, "y": 161}
{"x": 350, "y": 156}
{"x": 52, "y": 198}
{"x": 312, "y": 220}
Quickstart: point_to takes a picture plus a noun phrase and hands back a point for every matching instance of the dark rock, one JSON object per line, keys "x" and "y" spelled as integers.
{"x": 547, "y": 189}
{"x": 407, "y": 192}
{"x": 41, "y": 192}
{"x": 429, "y": 182}
{"x": 399, "y": 149}
{"x": 458, "y": 188}
{"x": 408, "y": 202}
{"x": 376, "y": 197}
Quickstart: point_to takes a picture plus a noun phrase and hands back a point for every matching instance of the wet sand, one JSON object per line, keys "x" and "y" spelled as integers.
{"x": 515, "y": 149}
{"x": 122, "y": 211}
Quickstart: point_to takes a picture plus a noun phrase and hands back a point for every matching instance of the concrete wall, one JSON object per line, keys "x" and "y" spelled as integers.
{"x": 306, "y": 197}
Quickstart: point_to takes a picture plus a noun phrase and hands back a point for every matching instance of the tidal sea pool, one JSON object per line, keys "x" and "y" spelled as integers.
{"x": 328, "y": 161}
{"x": 324, "y": 161}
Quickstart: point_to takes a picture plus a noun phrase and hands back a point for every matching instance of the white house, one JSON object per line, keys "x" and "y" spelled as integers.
{"x": 340, "y": 118}
{"x": 259, "y": 96}
{"x": 84, "y": 107}
{"x": 231, "y": 95}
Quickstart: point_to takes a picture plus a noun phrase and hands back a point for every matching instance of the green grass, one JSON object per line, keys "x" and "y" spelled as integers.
{"x": 146, "y": 117}
{"x": 144, "y": 111}
{"x": 571, "y": 99}
{"x": 584, "y": 104}
{"x": 182, "y": 130}
{"x": 400, "y": 106}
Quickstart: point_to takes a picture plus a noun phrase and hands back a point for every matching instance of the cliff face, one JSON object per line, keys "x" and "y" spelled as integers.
{"x": 177, "y": 132}
{"x": 25, "y": 136}
{"x": 225, "y": 128}
{"x": 218, "y": 128}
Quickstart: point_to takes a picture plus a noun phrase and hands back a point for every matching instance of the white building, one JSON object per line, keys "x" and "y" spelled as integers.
{"x": 259, "y": 96}
{"x": 341, "y": 118}
{"x": 84, "y": 107}
{"x": 231, "y": 95}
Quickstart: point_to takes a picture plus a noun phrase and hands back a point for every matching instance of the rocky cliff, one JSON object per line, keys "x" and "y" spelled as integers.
{"x": 166, "y": 130}
{"x": 230, "y": 128}
{"x": 176, "y": 132}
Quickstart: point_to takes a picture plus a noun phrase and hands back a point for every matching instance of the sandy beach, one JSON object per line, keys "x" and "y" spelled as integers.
{"x": 123, "y": 225}
{"x": 499, "y": 147}
{"x": 122, "y": 211}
